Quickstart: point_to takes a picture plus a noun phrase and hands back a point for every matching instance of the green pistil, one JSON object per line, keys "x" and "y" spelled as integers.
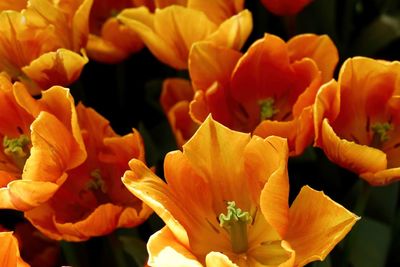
{"x": 97, "y": 182}
{"x": 17, "y": 149}
{"x": 267, "y": 110}
{"x": 235, "y": 222}
{"x": 380, "y": 133}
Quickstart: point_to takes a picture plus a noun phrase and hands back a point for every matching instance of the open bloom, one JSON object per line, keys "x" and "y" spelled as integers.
{"x": 93, "y": 201}
{"x": 357, "y": 119}
{"x": 9, "y": 251}
{"x": 40, "y": 141}
{"x": 109, "y": 40}
{"x": 269, "y": 90}
{"x": 285, "y": 7}
{"x": 225, "y": 202}
{"x": 41, "y": 44}
{"x": 171, "y": 30}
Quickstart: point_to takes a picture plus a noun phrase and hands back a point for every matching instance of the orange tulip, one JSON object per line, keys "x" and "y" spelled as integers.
{"x": 9, "y": 251}
{"x": 225, "y": 202}
{"x": 93, "y": 201}
{"x": 269, "y": 90}
{"x": 36, "y": 249}
{"x": 175, "y": 99}
{"x": 171, "y": 30}
{"x": 109, "y": 40}
{"x": 285, "y": 7}
{"x": 41, "y": 140}
{"x": 357, "y": 119}
{"x": 13, "y": 5}
{"x": 40, "y": 45}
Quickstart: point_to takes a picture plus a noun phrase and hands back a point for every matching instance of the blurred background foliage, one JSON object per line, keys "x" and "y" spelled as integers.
{"x": 127, "y": 94}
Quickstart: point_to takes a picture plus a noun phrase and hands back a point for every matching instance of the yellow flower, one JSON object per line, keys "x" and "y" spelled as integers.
{"x": 41, "y": 45}
{"x": 225, "y": 202}
{"x": 171, "y": 30}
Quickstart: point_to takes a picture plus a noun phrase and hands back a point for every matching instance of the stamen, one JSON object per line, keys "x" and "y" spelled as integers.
{"x": 17, "y": 149}
{"x": 267, "y": 110}
{"x": 235, "y": 222}
{"x": 380, "y": 133}
{"x": 96, "y": 183}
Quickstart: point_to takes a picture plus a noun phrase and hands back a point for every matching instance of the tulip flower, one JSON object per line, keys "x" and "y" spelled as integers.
{"x": 357, "y": 119}
{"x": 93, "y": 201}
{"x": 109, "y": 40}
{"x": 9, "y": 251}
{"x": 171, "y": 30}
{"x": 225, "y": 203}
{"x": 285, "y": 7}
{"x": 175, "y": 99}
{"x": 42, "y": 44}
{"x": 40, "y": 141}
{"x": 269, "y": 90}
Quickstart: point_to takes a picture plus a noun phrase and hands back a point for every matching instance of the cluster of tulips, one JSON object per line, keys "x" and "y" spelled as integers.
{"x": 224, "y": 193}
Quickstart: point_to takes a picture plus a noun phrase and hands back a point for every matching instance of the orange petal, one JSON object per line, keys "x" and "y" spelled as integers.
{"x": 319, "y": 48}
{"x": 275, "y": 194}
{"x": 218, "y": 10}
{"x": 145, "y": 185}
{"x": 355, "y": 157}
{"x": 9, "y": 251}
{"x": 181, "y": 123}
{"x": 273, "y": 253}
{"x": 56, "y": 68}
{"x": 209, "y": 63}
{"x": 165, "y": 250}
{"x": 233, "y": 32}
{"x": 383, "y": 177}
{"x": 215, "y": 152}
{"x": 175, "y": 90}
{"x": 316, "y": 225}
{"x": 17, "y": 5}
{"x": 286, "y": 129}
{"x": 217, "y": 259}
{"x": 80, "y": 25}
{"x": 168, "y": 33}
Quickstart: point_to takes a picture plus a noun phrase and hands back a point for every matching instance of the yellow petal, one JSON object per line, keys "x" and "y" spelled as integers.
{"x": 316, "y": 225}
{"x": 319, "y": 48}
{"x": 233, "y": 32}
{"x": 355, "y": 157}
{"x": 217, "y": 10}
{"x": 80, "y": 25}
{"x": 217, "y": 259}
{"x": 56, "y": 68}
{"x": 209, "y": 63}
{"x": 170, "y": 32}
{"x": 145, "y": 185}
{"x": 383, "y": 177}
{"x": 9, "y": 251}
{"x": 165, "y": 250}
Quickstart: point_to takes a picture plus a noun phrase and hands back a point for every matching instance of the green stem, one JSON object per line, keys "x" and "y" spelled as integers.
{"x": 117, "y": 251}
{"x": 70, "y": 253}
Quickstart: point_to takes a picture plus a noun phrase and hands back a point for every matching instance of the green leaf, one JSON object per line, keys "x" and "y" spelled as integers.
{"x": 377, "y": 35}
{"x": 135, "y": 248}
{"x": 370, "y": 243}
{"x": 382, "y": 203}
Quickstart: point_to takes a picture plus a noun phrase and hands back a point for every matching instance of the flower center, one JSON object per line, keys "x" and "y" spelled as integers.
{"x": 97, "y": 182}
{"x": 235, "y": 222}
{"x": 380, "y": 134}
{"x": 267, "y": 110}
{"x": 17, "y": 149}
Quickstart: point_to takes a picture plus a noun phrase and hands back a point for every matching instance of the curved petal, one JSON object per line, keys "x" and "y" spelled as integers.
{"x": 80, "y": 25}
{"x": 218, "y": 10}
{"x": 169, "y": 33}
{"x": 214, "y": 152}
{"x": 165, "y": 250}
{"x": 233, "y": 32}
{"x": 209, "y": 63}
{"x": 9, "y": 251}
{"x": 383, "y": 177}
{"x": 274, "y": 196}
{"x": 61, "y": 67}
{"x": 175, "y": 90}
{"x": 145, "y": 185}
{"x": 217, "y": 259}
{"x": 316, "y": 225}
{"x": 355, "y": 157}
{"x": 319, "y": 48}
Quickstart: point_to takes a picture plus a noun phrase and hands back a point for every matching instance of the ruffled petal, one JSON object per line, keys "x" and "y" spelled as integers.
{"x": 316, "y": 225}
